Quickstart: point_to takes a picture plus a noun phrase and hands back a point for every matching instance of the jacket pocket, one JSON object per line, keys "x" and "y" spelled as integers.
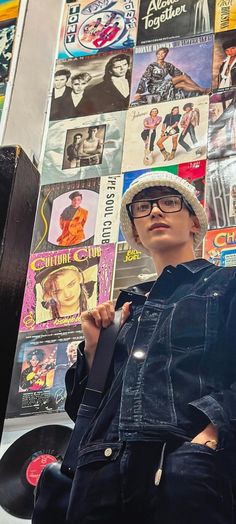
{"x": 100, "y": 452}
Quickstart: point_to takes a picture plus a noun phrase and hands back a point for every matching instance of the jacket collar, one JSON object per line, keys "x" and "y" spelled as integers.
{"x": 194, "y": 266}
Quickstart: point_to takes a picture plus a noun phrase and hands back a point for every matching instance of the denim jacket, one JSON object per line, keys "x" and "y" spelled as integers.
{"x": 175, "y": 360}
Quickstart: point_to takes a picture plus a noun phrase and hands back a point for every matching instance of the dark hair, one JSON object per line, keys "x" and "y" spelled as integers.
{"x": 162, "y": 49}
{"x": 75, "y": 194}
{"x": 189, "y": 104}
{"x": 63, "y": 72}
{"x": 154, "y": 109}
{"x": 111, "y": 62}
{"x": 81, "y": 76}
{"x": 229, "y": 43}
{"x": 38, "y": 353}
{"x": 91, "y": 129}
{"x": 175, "y": 107}
{"x": 148, "y": 192}
{"x": 75, "y": 136}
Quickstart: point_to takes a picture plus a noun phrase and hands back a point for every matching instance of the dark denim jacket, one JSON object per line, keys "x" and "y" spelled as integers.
{"x": 175, "y": 361}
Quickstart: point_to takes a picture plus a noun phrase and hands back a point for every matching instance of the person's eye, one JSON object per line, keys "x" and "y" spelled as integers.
{"x": 170, "y": 202}
{"x": 72, "y": 283}
{"x": 143, "y": 206}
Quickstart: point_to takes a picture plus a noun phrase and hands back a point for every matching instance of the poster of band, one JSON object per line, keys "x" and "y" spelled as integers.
{"x": 166, "y": 134}
{"x": 90, "y": 27}
{"x": 137, "y": 87}
{"x": 93, "y": 84}
{"x": 63, "y": 284}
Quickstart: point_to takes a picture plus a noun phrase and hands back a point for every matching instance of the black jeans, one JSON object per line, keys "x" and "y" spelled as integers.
{"x": 194, "y": 487}
{"x": 191, "y": 132}
{"x": 145, "y": 135}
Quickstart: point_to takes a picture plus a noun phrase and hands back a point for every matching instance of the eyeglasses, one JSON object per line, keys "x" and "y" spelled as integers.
{"x": 167, "y": 204}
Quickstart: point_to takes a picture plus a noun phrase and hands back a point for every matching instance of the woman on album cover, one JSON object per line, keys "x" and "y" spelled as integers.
{"x": 156, "y": 81}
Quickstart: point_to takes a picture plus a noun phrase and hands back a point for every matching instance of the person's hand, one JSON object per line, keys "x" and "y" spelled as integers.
{"x": 92, "y": 321}
{"x": 137, "y": 96}
{"x": 208, "y": 437}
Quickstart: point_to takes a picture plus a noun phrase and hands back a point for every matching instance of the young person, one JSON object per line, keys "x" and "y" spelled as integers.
{"x": 161, "y": 446}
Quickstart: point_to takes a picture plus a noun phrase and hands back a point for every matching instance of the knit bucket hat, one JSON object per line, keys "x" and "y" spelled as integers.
{"x": 163, "y": 179}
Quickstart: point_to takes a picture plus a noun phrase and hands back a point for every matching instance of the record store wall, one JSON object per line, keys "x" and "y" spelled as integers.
{"x": 134, "y": 88}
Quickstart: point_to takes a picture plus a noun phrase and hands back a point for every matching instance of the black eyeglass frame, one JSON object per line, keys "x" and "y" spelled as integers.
{"x": 156, "y": 201}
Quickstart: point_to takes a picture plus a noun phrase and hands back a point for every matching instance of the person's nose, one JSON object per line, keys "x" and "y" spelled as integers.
{"x": 156, "y": 211}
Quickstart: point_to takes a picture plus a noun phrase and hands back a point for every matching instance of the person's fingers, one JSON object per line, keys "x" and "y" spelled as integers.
{"x": 125, "y": 312}
{"x": 102, "y": 315}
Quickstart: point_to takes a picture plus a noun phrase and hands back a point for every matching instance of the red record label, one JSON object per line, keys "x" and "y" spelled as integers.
{"x": 36, "y": 467}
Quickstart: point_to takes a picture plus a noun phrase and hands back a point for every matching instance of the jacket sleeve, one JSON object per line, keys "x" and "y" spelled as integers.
{"x": 220, "y": 406}
{"x": 76, "y": 380}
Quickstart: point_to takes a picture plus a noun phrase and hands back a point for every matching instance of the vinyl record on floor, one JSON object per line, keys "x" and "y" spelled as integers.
{"x": 22, "y": 463}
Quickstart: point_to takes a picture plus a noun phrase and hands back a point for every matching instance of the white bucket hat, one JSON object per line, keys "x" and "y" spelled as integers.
{"x": 166, "y": 179}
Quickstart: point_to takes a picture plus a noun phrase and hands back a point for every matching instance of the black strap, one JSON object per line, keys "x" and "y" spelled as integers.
{"x": 93, "y": 391}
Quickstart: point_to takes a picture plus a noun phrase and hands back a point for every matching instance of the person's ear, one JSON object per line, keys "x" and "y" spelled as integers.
{"x": 195, "y": 224}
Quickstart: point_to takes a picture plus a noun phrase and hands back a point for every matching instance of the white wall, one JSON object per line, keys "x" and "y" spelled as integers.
{"x": 26, "y": 113}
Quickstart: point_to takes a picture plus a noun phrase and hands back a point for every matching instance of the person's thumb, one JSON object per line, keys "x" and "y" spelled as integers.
{"x": 125, "y": 312}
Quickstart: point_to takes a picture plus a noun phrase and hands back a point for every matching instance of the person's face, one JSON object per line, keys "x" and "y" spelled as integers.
{"x": 175, "y": 111}
{"x": 94, "y": 132}
{"x": 231, "y": 51}
{"x": 76, "y": 201}
{"x": 67, "y": 288}
{"x": 188, "y": 109}
{"x": 60, "y": 81}
{"x": 79, "y": 85}
{"x": 161, "y": 54}
{"x": 72, "y": 351}
{"x": 120, "y": 68}
{"x": 161, "y": 232}
{"x": 78, "y": 139}
{"x": 34, "y": 361}
{"x": 154, "y": 113}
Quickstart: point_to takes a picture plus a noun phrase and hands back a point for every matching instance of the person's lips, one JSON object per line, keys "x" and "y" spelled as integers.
{"x": 158, "y": 225}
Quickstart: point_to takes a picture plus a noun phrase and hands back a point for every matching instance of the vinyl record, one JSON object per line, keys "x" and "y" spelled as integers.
{"x": 22, "y": 463}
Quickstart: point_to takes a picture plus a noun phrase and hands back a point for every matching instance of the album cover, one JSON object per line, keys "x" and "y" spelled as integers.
{"x": 62, "y": 284}
{"x": 220, "y": 246}
{"x": 91, "y": 84}
{"x": 222, "y": 124}
{"x": 89, "y": 27}
{"x": 151, "y": 140}
{"x": 38, "y": 377}
{"x": 225, "y": 15}
{"x": 132, "y": 267}
{"x": 161, "y": 19}
{"x": 7, "y": 34}
{"x": 77, "y": 213}
{"x": 169, "y": 71}
{"x": 9, "y": 9}
{"x": 220, "y": 192}
{"x": 84, "y": 147}
{"x": 224, "y": 60}
{"x": 195, "y": 173}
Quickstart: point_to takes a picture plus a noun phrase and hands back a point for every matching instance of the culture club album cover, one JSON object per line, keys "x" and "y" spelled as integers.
{"x": 221, "y": 192}
{"x": 40, "y": 366}
{"x": 132, "y": 267}
{"x": 222, "y": 124}
{"x": 84, "y": 147}
{"x": 225, "y": 15}
{"x": 81, "y": 213}
{"x": 165, "y": 72}
{"x": 163, "y": 19}
{"x": 224, "y": 60}
{"x": 62, "y": 284}
{"x": 7, "y": 34}
{"x": 89, "y": 27}
{"x": 91, "y": 84}
{"x": 220, "y": 246}
{"x": 166, "y": 134}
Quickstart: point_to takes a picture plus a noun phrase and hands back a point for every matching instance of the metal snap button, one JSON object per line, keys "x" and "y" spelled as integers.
{"x": 205, "y": 279}
{"x": 108, "y": 452}
{"x": 215, "y": 294}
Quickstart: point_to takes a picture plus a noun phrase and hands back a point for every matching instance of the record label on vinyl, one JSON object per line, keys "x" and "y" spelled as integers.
{"x": 36, "y": 467}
